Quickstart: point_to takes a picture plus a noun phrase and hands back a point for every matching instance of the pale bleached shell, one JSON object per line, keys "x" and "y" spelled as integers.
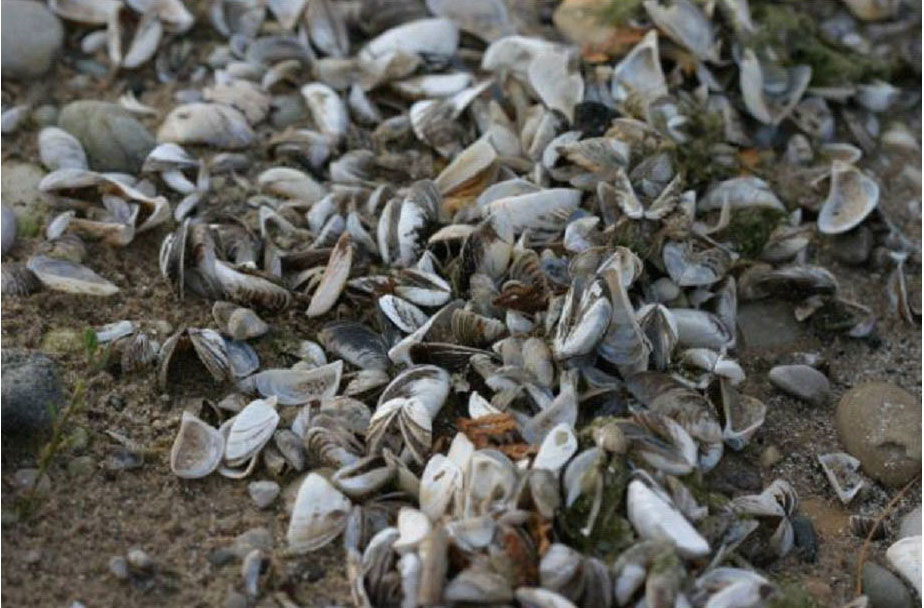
{"x": 295, "y": 387}
{"x": 327, "y": 110}
{"x": 413, "y": 527}
{"x": 434, "y": 36}
{"x": 685, "y": 24}
{"x": 429, "y": 86}
{"x": 538, "y": 597}
{"x": 209, "y": 124}
{"x": 144, "y": 43}
{"x": 765, "y": 108}
{"x": 69, "y": 277}
{"x": 905, "y": 557}
{"x": 557, "y": 448}
{"x": 639, "y": 74}
{"x": 558, "y": 87}
{"x": 466, "y": 167}
{"x": 428, "y": 383}
{"x": 243, "y": 95}
{"x": 58, "y": 149}
{"x": 94, "y": 12}
{"x": 197, "y": 449}
{"x": 439, "y": 482}
{"x": 741, "y": 193}
{"x": 287, "y": 12}
{"x": 319, "y": 515}
{"x": 406, "y": 317}
{"x": 326, "y": 28}
{"x": 244, "y": 324}
{"x": 486, "y": 19}
{"x": 852, "y": 197}
{"x": 250, "y": 430}
{"x": 515, "y": 54}
{"x": 545, "y": 213}
{"x": 655, "y": 519}
{"x": 334, "y": 278}
{"x": 841, "y": 469}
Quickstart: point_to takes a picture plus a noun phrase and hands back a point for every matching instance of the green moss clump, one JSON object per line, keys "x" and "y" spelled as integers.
{"x": 793, "y": 34}
{"x": 749, "y": 229}
{"x": 793, "y": 595}
{"x": 697, "y": 158}
{"x": 618, "y": 12}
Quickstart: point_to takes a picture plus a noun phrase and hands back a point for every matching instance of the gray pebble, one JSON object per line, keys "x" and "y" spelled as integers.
{"x": 255, "y": 538}
{"x": 803, "y": 382}
{"x": 81, "y": 467}
{"x": 263, "y": 493}
{"x": 884, "y": 589}
{"x": 113, "y": 139}
{"x": 139, "y": 560}
{"x": 32, "y": 393}
{"x": 8, "y": 221}
{"x": 118, "y": 566}
{"x": 31, "y": 39}
{"x": 910, "y": 524}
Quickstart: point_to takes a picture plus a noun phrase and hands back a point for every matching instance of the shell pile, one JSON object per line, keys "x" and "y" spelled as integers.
{"x": 523, "y": 295}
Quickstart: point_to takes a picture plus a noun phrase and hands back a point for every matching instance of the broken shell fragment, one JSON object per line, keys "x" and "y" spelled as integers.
{"x": 852, "y": 197}
{"x": 197, "y": 450}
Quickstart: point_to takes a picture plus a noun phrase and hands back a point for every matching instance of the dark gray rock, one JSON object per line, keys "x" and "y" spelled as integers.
{"x": 31, "y": 385}
{"x": 768, "y": 325}
{"x": 801, "y": 381}
{"x": 884, "y": 589}
{"x": 113, "y": 139}
{"x": 31, "y": 39}
{"x": 880, "y": 425}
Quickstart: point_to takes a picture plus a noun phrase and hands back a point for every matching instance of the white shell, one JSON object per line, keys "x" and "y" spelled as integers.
{"x": 296, "y": 386}
{"x": 327, "y": 109}
{"x": 557, "y": 448}
{"x": 250, "y": 430}
{"x": 852, "y": 197}
{"x": 439, "y": 482}
{"x": 69, "y": 277}
{"x": 197, "y": 449}
{"x": 319, "y": 515}
{"x": 905, "y": 557}
{"x": 58, "y": 149}
{"x": 210, "y": 124}
{"x": 334, "y": 278}
{"x": 655, "y": 519}
{"x": 639, "y": 74}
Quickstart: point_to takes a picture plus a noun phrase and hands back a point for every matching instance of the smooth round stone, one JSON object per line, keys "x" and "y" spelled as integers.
{"x": 880, "y": 424}
{"x": 31, "y": 38}
{"x": 8, "y": 227}
{"x": 803, "y": 382}
{"x": 853, "y": 248}
{"x": 31, "y": 387}
{"x": 905, "y": 558}
{"x": 884, "y": 589}
{"x": 263, "y": 493}
{"x": 910, "y": 524}
{"x": 113, "y": 139}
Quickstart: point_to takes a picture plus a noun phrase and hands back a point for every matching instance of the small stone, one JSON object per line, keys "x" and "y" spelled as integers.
{"x": 910, "y": 524}
{"x": 32, "y": 392}
{"x": 8, "y": 227}
{"x": 255, "y": 538}
{"x": 235, "y": 599}
{"x": 24, "y": 479}
{"x": 81, "y": 467}
{"x": 45, "y": 115}
{"x": 770, "y": 456}
{"x": 884, "y": 589}
{"x": 853, "y": 248}
{"x": 805, "y": 539}
{"x": 803, "y": 382}
{"x": 767, "y": 326}
{"x": 263, "y": 493}
{"x": 118, "y": 566}
{"x": 880, "y": 425}
{"x": 62, "y": 341}
{"x": 113, "y": 139}
{"x": 221, "y": 557}
{"x": 32, "y": 37}
{"x": 162, "y": 327}
{"x": 32, "y": 556}
{"x": 139, "y": 560}
{"x": 19, "y": 183}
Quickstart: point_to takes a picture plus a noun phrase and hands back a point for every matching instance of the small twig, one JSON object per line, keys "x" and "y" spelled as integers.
{"x": 885, "y": 513}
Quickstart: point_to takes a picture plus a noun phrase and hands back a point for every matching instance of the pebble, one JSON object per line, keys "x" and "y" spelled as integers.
{"x": 880, "y": 425}
{"x": 853, "y": 248}
{"x": 805, "y": 539}
{"x": 30, "y": 387}
{"x": 19, "y": 184}
{"x": 138, "y": 559}
{"x": 118, "y": 566}
{"x": 254, "y": 538}
{"x": 32, "y": 556}
{"x": 24, "y": 479}
{"x": 770, "y": 456}
{"x": 113, "y": 139}
{"x": 884, "y": 589}
{"x": 32, "y": 37}
{"x": 767, "y": 326}
{"x": 263, "y": 493}
{"x": 8, "y": 227}
{"x": 803, "y": 382}
{"x": 910, "y": 524}
{"x": 81, "y": 467}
